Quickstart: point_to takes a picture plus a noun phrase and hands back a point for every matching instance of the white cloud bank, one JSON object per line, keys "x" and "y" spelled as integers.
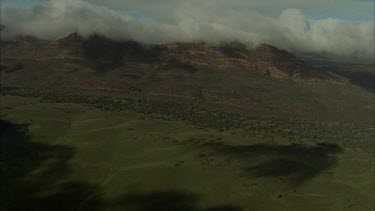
{"x": 187, "y": 21}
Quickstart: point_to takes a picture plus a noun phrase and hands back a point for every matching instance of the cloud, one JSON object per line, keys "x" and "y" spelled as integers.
{"x": 191, "y": 20}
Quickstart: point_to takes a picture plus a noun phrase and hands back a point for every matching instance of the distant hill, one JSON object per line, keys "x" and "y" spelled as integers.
{"x": 108, "y": 53}
{"x": 360, "y": 73}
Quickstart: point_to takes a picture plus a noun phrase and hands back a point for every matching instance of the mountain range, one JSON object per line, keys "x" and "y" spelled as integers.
{"x": 264, "y": 80}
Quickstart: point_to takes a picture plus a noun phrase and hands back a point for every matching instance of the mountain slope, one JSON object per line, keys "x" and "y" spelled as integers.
{"x": 265, "y": 59}
{"x": 264, "y": 81}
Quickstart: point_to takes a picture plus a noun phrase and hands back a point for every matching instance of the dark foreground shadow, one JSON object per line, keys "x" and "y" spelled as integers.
{"x": 32, "y": 174}
{"x": 163, "y": 201}
{"x": 294, "y": 163}
{"x": 33, "y": 178}
{"x": 174, "y": 200}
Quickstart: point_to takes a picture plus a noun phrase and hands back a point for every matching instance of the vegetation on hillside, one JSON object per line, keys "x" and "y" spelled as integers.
{"x": 205, "y": 114}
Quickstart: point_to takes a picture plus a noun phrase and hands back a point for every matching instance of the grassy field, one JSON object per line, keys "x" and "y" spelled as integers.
{"x": 59, "y": 156}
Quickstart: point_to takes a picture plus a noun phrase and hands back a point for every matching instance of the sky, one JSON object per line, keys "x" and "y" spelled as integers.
{"x": 337, "y": 27}
{"x": 355, "y": 10}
